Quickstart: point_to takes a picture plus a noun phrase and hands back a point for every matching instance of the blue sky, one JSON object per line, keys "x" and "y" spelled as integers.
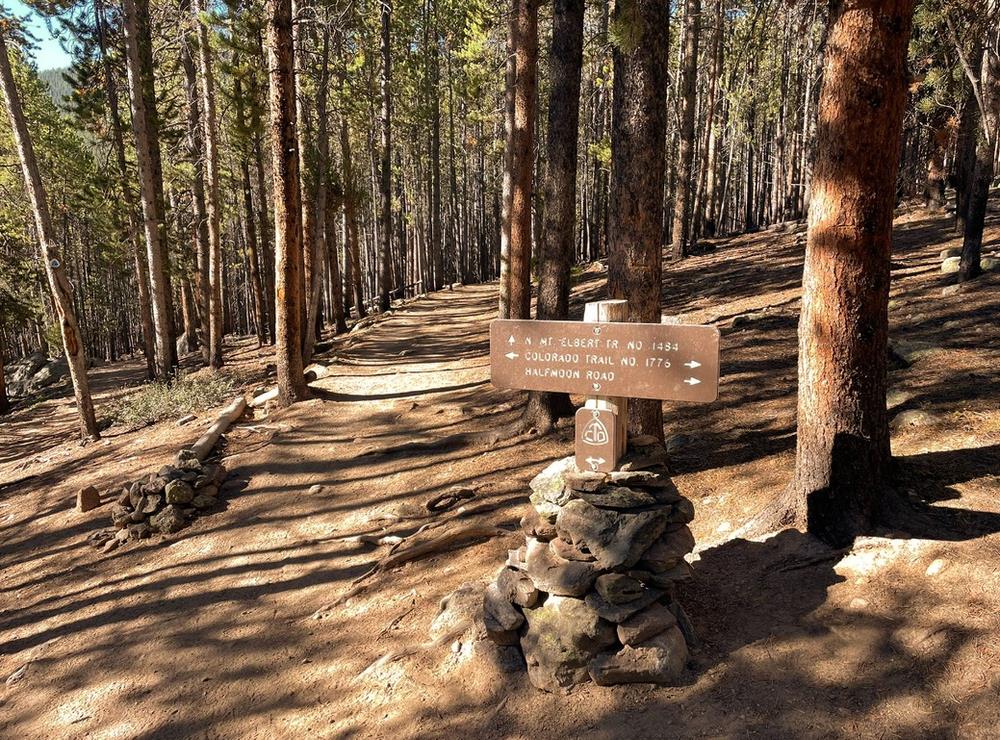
{"x": 47, "y": 52}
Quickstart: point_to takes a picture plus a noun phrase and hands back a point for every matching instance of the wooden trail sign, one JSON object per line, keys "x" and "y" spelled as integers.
{"x": 678, "y": 362}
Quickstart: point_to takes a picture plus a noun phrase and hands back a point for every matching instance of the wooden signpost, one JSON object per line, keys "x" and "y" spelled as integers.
{"x": 608, "y": 361}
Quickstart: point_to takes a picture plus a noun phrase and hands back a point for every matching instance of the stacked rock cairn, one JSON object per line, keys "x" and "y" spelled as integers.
{"x": 163, "y": 502}
{"x": 590, "y": 595}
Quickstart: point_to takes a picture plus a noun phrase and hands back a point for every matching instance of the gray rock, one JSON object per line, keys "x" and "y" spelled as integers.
{"x": 562, "y": 638}
{"x": 660, "y": 660}
{"x": 186, "y": 419}
{"x": 169, "y": 473}
{"x": 124, "y": 498}
{"x": 170, "y": 520}
{"x": 664, "y": 579}
{"x": 87, "y": 498}
{"x": 555, "y": 575}
{"x": 517, "y": 587}
{"x": 201, "y": 501}
{"x": 122, "y": 535}
{"x": 111, "y": 544}
{"x": 683, "y": 512}
{"x": 460, "y": 610}
{"x": 192, "y": 463}
{"x": 989, "y": 264}
{"x": 152, "y": 503}
{"x": 617, "y": 497}
{"x": 139, "y": 531}
{"x": 120, "y": 515}
{"x": 644, "y": 624}
{"x": 185, "y": 454}
{"x": 913, "y": 418}
{"x": 135, "y": 494}
{"x": 668, "y": 550}
{"x": 950, "y": 252}
{"x": 136, "y": 517}
{"x": 616, "y": 539}
{"x": 501, "y": 618}
{"x": 584, "y": 480}
{"x": 618, "y": 588}
{"x": 535, "y": 526}
{"x": 548, "y": 489}
{"x": 618, "y": 613}
{"x": 951, "y": 265}
{"x": 178, "y": 492}
{"x": 154, "y": 485}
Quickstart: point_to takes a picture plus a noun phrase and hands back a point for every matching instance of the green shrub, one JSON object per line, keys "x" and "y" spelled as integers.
{"x": 156, "y": 401}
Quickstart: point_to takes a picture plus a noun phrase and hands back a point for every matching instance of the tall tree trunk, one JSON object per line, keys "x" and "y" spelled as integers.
{"x": 842, "y": 456}
{"x": 62, "y": 294}
{"x": 982, "y": 173}
{"x": 195, "y": 147}
{"x": 4, "y": 400}
{"x": 639, "y": 120}
{"x": 138, "y": 255}
{"x": 965, "y": 158}
{"x": 565, "y": 67}
{"x": 212, "y": 202}
{"x": 159, "y": 284}
{"x": 287, "y": 204}
{"x": 940, "y": 138}
{"x": 336, "y": 279}
{"x": 521, "y": 157}
{"x": 507, "y": 186}
{"x": 385, "y": 179}
{"x": 685, "y": 150}
{"x": 256, "y": 284}
{"x": 436, "y": 240}
{"x": 352, "y": 246}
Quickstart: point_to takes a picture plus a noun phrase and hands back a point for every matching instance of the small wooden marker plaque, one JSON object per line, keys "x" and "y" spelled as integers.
{"x": 596, "y": 439}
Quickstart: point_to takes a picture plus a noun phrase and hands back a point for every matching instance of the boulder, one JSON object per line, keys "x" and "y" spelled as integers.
{"x": 660, "y": 660}
{"x": 458, "y": 611}
{"x": 618, "y": 588}
{"x": 168, "y": 521}
{"x": 563, "y": 636}
{"x": 555, "y": 575}
{"x": 951, "y": 265}
{"x": 569, "y": 551}
{"x": 617, "y": 497}
{"x": 49, "y": 374}
{"x": 619, "y": 612}
{"x": 517, "y": 587}
{"x": 87, "y": 498}
{"x": 617, "y": 539}
{"x": 668, "y": 550}
{"x": 644, "y": 624}
{"x": 548, "y": 488}
{"x": 178, "y": 492}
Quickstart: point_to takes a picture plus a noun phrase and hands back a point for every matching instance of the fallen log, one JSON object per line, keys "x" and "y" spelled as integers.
{"x": 207, "y": 441}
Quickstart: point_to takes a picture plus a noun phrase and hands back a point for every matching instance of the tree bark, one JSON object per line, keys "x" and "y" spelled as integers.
{"x": 253, "y": 257}
{"x": 637, "y": 172}
{"x": 159, "y": 284}
{"x": 385, "y": 176}
{"x": 62, "y": 293}
{"x": 212, "y": 202}
{"x": 559, "y": 234}
{"x": 287, "y": 204}
{"x": 842, "y": 455}
{"x": 352, "y": 245}
{"x": 685, "y": 150}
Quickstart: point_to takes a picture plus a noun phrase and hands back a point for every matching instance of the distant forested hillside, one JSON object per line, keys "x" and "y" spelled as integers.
{"x": 59, "y": 89}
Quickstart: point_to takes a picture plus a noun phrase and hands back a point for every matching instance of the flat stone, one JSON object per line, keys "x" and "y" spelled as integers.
{"x": 124, "y": 499}
{"x": 618, "y": 613}
{"x": 664, "y": 579}
{"x": 111, "y": 544}
{"x": 315, "y": 490}
{"x": 618, "y": 588}
{"x": 553, "y": 574}
{"x": 562, "y": 638}
{"x": 533, "y": 525}
{"x": 517, "y": 587}
{"x": 87, "y": 498}
{"x": 646, "y": 623}
{"x": 168, "y": 473}
{"x": 668, "y": 550}
{"x": 139, "y": 531}
{"x": 569, "y": 551}
{"x": 584, "y": 480}
{"x": 170, "y": 520}
{"x": 617, "y": 539}
{"x": 660, "y": 660}
{"x": 122, "y": 535}
{"x": 136, "y": 516}
{"x": 178, "y": 492}
{"x": 500, "y": 614}
{"x": 617, "y": 497}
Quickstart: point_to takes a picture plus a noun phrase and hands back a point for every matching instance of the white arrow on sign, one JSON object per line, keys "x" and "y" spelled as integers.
{"x": 692, "y": 381}
{"x": 511, "y": 340}
{"x": 511, "y": 355}
{"x": 693, "y": 364}
{"x": 593, "y": 462}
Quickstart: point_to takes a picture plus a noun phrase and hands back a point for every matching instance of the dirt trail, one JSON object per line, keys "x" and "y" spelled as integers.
{"x": 227, "y": 630}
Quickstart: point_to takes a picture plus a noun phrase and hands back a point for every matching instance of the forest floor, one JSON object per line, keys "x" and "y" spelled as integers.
{"x": 228, "y": 628}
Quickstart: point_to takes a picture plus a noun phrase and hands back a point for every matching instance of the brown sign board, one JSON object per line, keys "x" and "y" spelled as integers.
{"x": 678, "y": 362}
{"x": 596, "y": 444}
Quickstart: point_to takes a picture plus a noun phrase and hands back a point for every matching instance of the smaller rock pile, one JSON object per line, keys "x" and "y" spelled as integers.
{"x": 163, "y": 502}
{"x": 590, "y": 596}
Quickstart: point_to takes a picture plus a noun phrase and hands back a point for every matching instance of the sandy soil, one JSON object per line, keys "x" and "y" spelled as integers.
{"x": 227, "y": 629}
